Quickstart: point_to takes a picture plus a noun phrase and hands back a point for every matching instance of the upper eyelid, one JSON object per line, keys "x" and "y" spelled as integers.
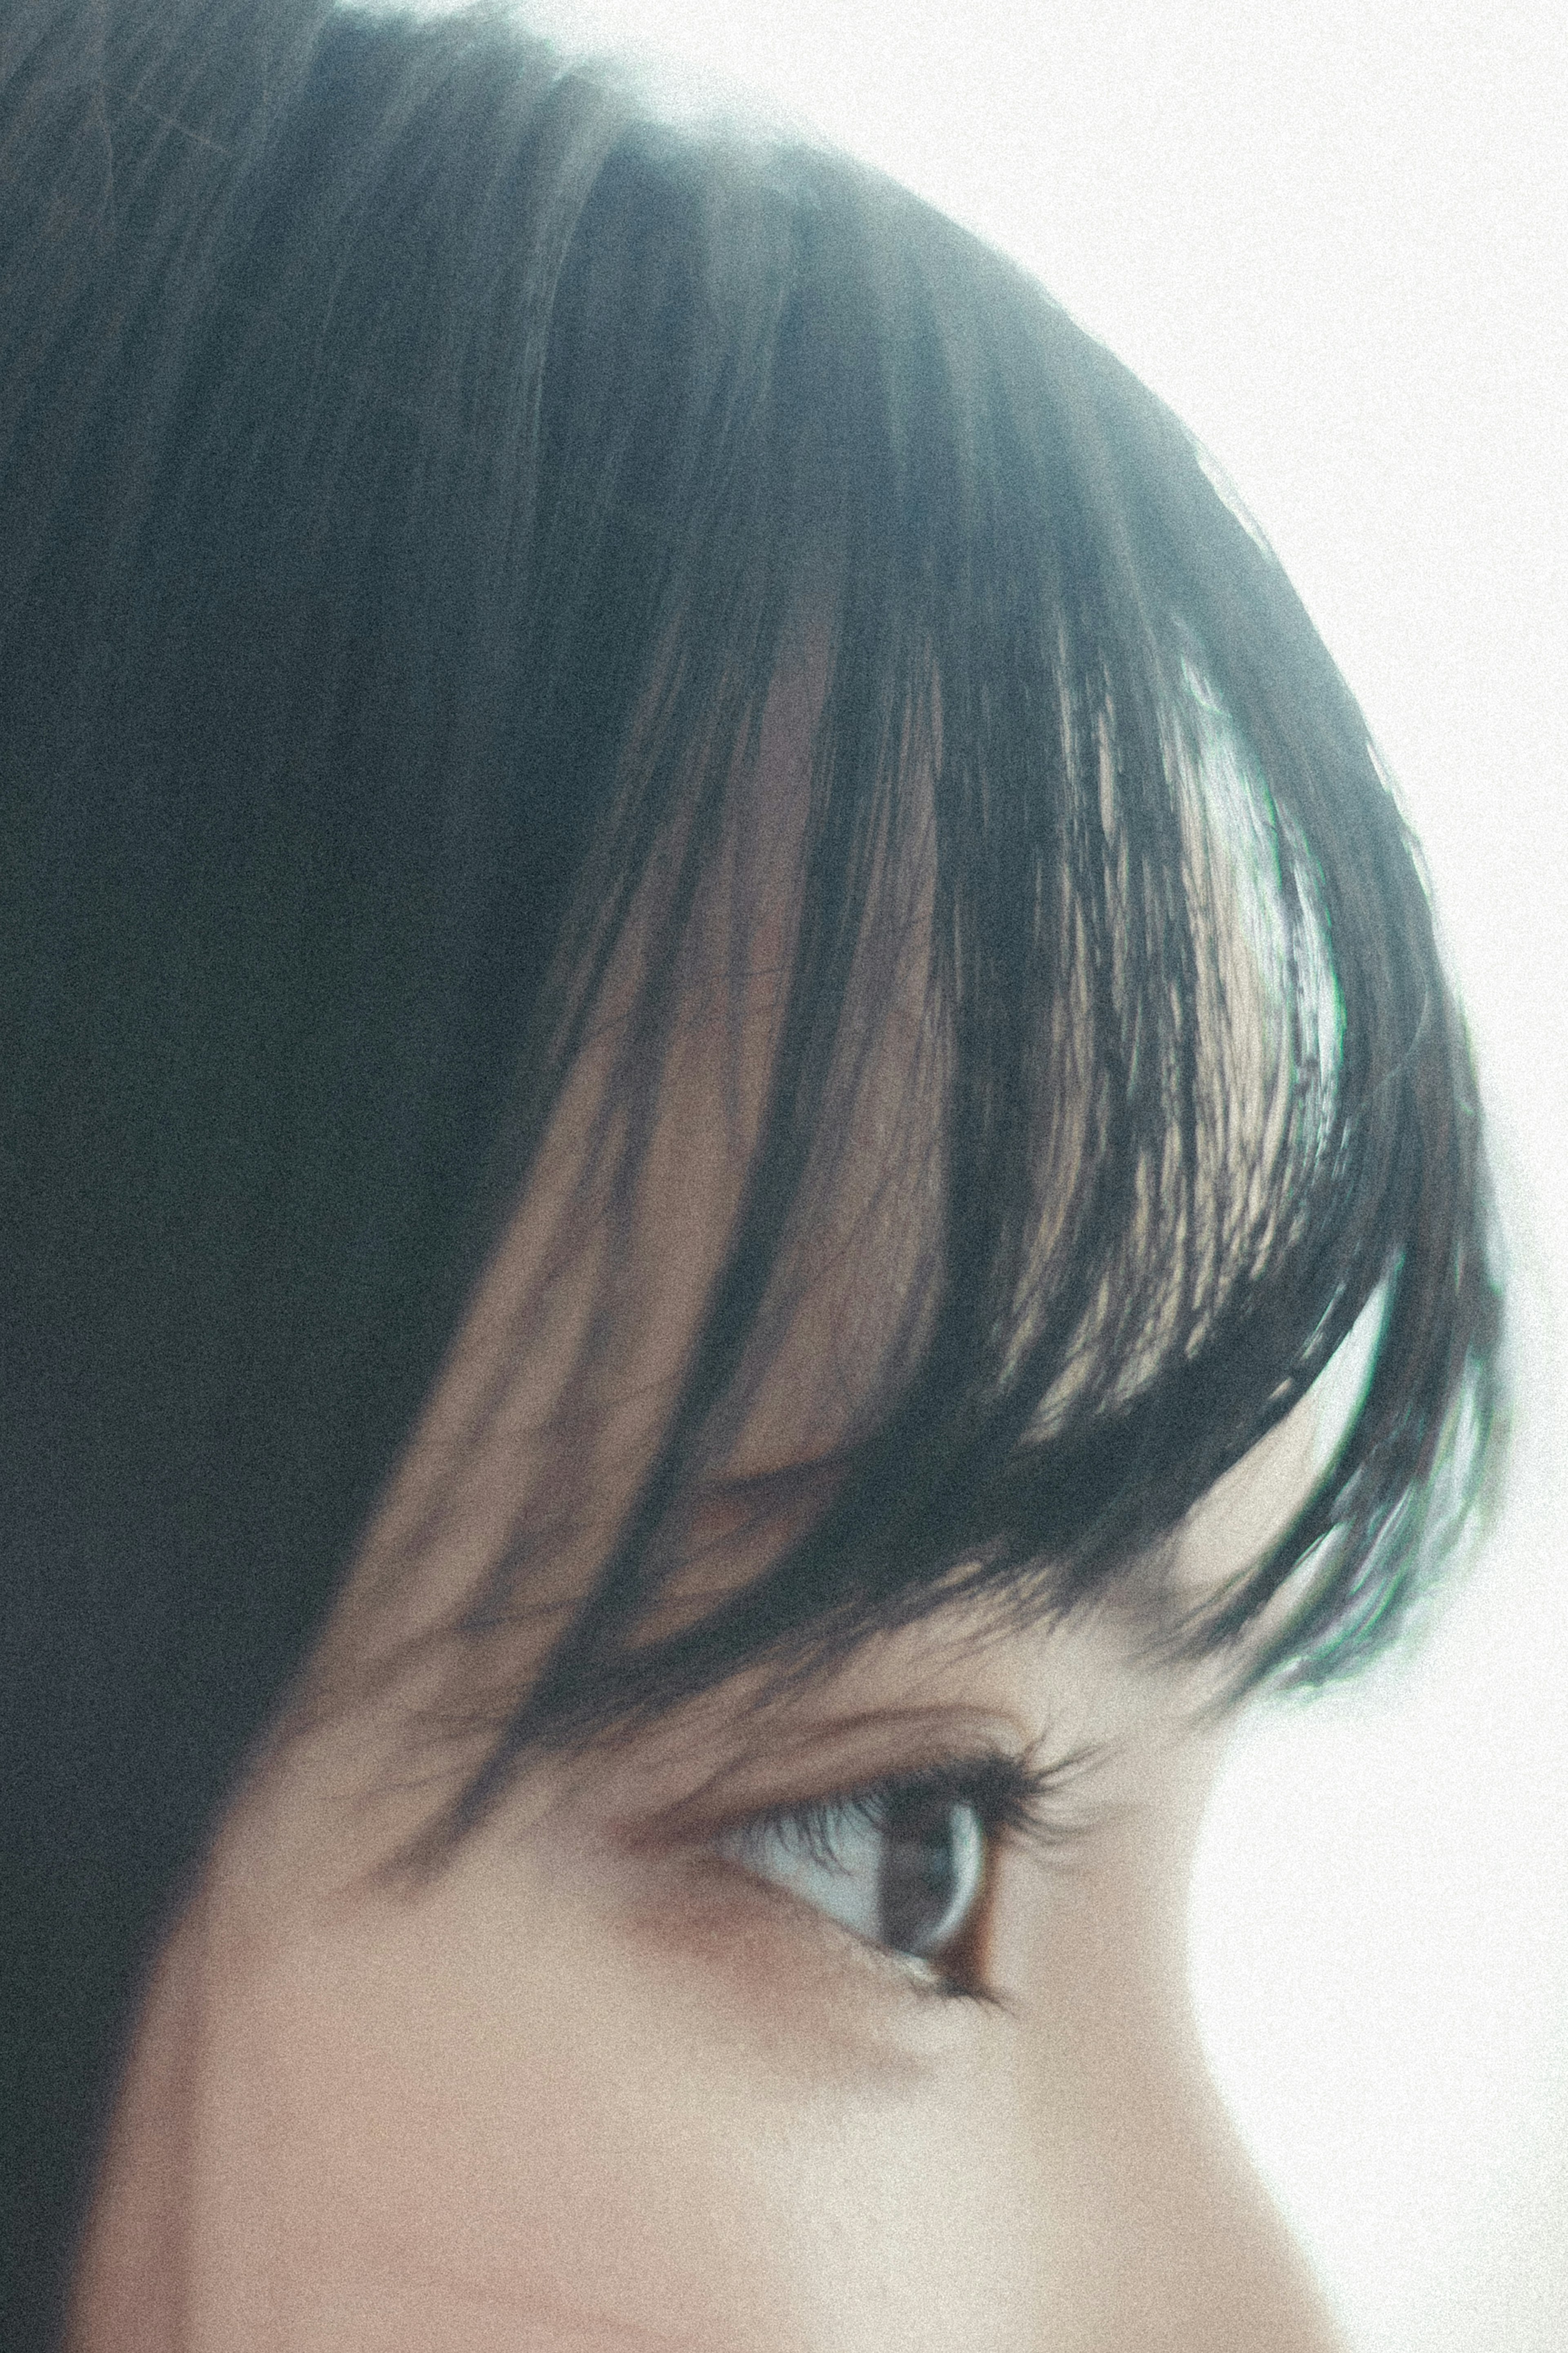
{"x": 1046, "y": 1816}
{"x": 962, "y": 1772}
{"x": 760, "y": 1786}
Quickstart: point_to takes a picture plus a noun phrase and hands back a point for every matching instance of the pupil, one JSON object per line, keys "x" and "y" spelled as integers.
{"x": 923, "y": 1893}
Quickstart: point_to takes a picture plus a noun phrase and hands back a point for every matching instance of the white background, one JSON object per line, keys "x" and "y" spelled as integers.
{"x": 1333, "y": 238}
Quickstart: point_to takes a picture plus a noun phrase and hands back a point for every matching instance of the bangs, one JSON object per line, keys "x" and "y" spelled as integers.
{"x": 1193, "y": 1094}
{"x": 478, "y": 581}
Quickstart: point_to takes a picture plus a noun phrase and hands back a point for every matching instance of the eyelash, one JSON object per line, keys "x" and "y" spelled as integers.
{"x": 1014, "y": 1805}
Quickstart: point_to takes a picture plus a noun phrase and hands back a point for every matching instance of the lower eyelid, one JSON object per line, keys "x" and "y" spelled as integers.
{"x": 727, "y": 1887}
{"x": 776, "y": 1994}
{"x": 839, "y": 1948}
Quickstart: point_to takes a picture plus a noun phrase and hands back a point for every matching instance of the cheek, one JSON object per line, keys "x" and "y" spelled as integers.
{"x": 407, "y": 2132}
{"x": 535, "y": 2110}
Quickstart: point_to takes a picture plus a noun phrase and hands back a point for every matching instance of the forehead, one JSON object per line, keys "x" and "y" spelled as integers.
{"x": 852, "y": 1277}
{"x": 573, "y": 1356}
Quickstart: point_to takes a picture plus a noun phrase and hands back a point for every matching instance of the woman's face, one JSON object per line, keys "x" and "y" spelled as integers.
{"x": 604, "y": 2081}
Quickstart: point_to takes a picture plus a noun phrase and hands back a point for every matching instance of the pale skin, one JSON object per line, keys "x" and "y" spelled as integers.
{"x": 597, "y": 2086}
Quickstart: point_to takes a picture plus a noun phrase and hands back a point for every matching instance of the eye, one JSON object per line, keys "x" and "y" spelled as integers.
{"x": 903, "y": 1867}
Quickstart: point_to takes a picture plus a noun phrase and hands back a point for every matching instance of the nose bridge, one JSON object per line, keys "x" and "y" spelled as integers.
{"x": 1228, "y": 2277}
{"x": 1191, "y": 2253}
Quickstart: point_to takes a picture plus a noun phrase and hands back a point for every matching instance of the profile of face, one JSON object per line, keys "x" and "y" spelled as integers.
{"x": 722, "y": 1025}
{"x": 849, "y": 2017}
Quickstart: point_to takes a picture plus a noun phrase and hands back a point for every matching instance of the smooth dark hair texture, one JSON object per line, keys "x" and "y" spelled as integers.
{"x": 417, "y": 464}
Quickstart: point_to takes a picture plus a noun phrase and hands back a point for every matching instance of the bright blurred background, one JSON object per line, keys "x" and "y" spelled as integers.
{"x": 1334, "y": 238}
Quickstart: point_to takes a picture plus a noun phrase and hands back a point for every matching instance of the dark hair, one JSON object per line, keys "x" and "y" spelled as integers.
{"x": 416, "y": 465}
